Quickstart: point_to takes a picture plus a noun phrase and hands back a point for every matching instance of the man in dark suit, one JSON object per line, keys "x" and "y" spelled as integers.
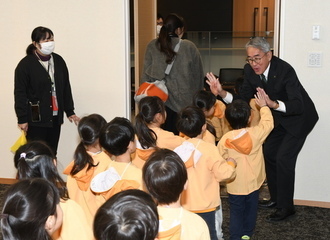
{"x": 294, "y": 117}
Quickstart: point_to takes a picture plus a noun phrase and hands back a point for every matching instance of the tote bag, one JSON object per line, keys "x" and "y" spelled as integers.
{"x": 157, "y": 88}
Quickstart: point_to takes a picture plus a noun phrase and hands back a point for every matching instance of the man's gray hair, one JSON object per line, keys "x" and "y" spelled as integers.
{"x": 259, "y": 43}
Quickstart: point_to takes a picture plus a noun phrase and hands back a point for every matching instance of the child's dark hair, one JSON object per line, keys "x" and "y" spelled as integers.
{"x": 27, "y": 206}
{"x": 36, "y": 160}
{"x": 191, "y": 121}
{"x": 127, "y": 215}
{"x": 204, "y": 100}
{"x": 165, "y": 175}
{"x": 148, "y": 108}
{"x": 117, "y": 135}
{"x": 89, "y": 129}
{"x": 238, "y": 113}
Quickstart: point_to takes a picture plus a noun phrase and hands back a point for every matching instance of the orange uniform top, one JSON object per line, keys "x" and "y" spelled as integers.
{"x": 210, "y": 168}
{"x": 165, "y": 139}
{"x": 79, "y": 185}
{"x": 75, "y": 225}
{"x": 190, "y": 225}
{"x": 245, "y": 146}
{"x": 219, "y": 121}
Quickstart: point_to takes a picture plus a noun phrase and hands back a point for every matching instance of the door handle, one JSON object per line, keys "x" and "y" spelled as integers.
{"x": 255, "y": 12}
{"x": 266, "y": 14}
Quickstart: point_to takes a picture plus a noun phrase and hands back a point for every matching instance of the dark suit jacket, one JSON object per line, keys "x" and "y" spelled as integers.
{"x": 284, "y": 85}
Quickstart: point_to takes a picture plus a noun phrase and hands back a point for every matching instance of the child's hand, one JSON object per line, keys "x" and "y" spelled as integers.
{"x": 231, "y": 161}
{"x": 260, "y": 98}
{"x": 261, "y": 94}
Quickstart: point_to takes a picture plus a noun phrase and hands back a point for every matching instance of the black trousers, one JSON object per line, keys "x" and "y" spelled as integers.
{"x": 281, "y": 150}
{"x": 49, "y": 135}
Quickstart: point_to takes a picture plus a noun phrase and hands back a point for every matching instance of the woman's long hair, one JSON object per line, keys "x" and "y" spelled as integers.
{"x": 89, "y": 129}
{"x": 27, "y": 206}
{"x": 148, "y": 108}
{"x": 171, "y": 23}
{"x": 36, "y": 160}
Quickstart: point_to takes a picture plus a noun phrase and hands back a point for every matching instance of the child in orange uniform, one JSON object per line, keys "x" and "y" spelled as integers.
{"x": 165, "y": 177}
{"x": 117, "y": 139}
{"x": 205, "y": 166}
{"x": 89, "y": 160}
{"x": 149, "y": 133}
{"x": 245, "y": 145}
{"x": 130, "y": 214}
{"x": 31, "y": 210}
{"x": 36, "y": 160}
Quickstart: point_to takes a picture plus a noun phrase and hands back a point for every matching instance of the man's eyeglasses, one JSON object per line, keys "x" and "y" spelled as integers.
{"x": 257, "y": 60}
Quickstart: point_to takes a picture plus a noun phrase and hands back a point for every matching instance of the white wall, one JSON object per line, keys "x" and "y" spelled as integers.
{"x": 297, "y": 19}
{"x": 91, "y": 36}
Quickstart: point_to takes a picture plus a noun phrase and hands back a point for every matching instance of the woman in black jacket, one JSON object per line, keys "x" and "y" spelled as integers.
{"x": 42, "y": 90}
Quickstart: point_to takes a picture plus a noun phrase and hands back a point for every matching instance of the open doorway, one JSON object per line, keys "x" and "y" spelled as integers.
{"x": 211, "y": 26}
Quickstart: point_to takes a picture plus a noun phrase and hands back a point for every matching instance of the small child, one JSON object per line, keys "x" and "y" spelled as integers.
{"x": 128, "y": 215}
{"x": 149, "y": 133}
{"x": 245, "y": 145}
{"x": 165, "y": 177}
{"x": 117, "y": 139}
{"x": 36, "y": 160}
{"x": 205, "y": 167}
{"x": 214, "y": 112}
{"x": 218, "y": 119}
{"x": 89, "y": 160}
{"x": 31, "y": 210}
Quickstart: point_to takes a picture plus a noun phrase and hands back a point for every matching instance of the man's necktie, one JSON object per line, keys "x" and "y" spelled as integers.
{"x": 263, "y": 78}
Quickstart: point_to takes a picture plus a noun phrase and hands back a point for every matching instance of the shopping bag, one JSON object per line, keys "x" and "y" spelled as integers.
{"x": 157, "y": 88}
{"x": 19, "y": 142}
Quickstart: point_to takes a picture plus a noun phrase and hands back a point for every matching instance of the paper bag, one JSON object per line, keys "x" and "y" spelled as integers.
{"x": 19, "y": 142}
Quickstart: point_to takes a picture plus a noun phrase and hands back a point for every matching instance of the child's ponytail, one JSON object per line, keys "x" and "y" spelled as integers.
{"x": 81, "y": 158}
{"x": 146, "y": 136}
{"x": 89, "y": 129}
{"x": 148, "y": 108}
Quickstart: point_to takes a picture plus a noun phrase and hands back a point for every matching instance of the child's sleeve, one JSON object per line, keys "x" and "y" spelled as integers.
{"x": 221, "y": 169}
{"x": 265, "y": 125}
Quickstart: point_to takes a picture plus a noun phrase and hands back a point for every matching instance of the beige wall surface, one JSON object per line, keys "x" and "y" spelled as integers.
{"x": 297, "y": 19}
{"x": 92, "y": 37}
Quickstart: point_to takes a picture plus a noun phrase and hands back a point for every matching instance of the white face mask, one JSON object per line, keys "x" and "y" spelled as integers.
{"x": 47, "y": 47}
{"x": 158, "y": 29}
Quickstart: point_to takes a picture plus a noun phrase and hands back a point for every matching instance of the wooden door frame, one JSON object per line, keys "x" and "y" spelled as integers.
{"x": 145, "y": 14}
{"x": 277, "y": 16}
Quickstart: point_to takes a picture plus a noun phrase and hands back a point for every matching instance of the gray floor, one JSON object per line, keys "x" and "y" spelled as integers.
{"x": 309, "y": 223}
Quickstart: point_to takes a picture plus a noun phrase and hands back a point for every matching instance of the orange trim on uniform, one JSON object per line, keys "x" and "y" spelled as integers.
{"x": 204, "y": 211}
{"x": 144, "y": 154}
{"x": 241, "y": 145}
{"x": 83, "y": 177}
{"x": 119, "y": 186}
{"x": 190, "y": 162}
{"x": 170, "y": 234}
{"x": 218, "y": 112}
